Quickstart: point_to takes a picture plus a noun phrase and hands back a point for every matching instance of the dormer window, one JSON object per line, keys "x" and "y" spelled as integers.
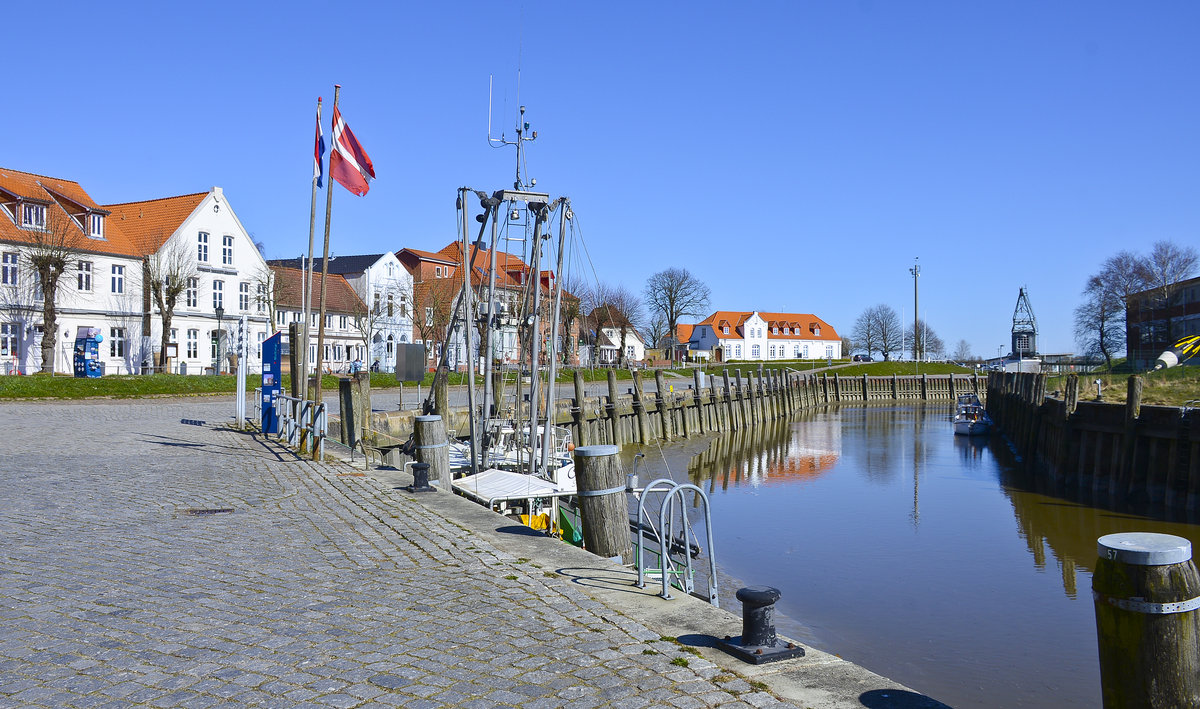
{"x": 775, "y": 330}
{"x": 725, "y": 330}
{"x": 785, "y": 331}
{"x": 97, "y": 226}
{"x": 33, "y": 216}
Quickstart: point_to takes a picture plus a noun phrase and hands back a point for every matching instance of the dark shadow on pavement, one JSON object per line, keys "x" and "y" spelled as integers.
{"x": 521, "y": 530}
{"x": 898, "y": 699}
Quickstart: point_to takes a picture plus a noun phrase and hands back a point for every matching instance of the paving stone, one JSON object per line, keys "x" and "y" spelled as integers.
{"x": 317, "y": 590}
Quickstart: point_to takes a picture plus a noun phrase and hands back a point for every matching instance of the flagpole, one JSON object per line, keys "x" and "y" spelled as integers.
{"x": 307, "y": 279}
{"x": 337, "y": 90}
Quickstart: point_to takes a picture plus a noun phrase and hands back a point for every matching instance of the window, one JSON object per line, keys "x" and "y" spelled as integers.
{"x": 437, "y": 271}
{"x": 755, "y": 351}
{"x": 391, "y": 306}
{"x": 33, "y": 216}
{"x": 725, "y": 330}
{"x": 428, "y": 317}
{"x": 192, "y": 294}
{"x": 9, "y": 273}
{"x": 218, "y": 294}
{"x": 280, "y": 317}
{"x": 227, "y": 251}
{"x": 772, "y": 351}
{"x": 261, "y": 302}
{"x": 202, "y": 247}
{"x": 775, "y": 330}
{"x": 391, "y": 346}
{"x": 785, "y": 331}
{"x": 737, "y": 350}
{"x": 97, "y": 226}
{"x": 118, "y": 279}
{"x": 116, "y": 341}
{"x": 244, "y": 296}
{"x": 829, "y": 351}
{"x": 258, "y": 348}
{"x": 85, "y": 275}
{"x": 375, "y": 304}
{"x": 8, "y": 339}
{"x": 796, "y": 352}
{"x": 342, "y": 322}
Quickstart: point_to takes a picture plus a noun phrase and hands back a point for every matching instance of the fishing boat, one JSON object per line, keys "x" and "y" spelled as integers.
{"x": 970, "y": 417}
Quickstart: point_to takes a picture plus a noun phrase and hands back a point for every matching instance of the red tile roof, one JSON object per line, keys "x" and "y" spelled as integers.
{"x": 339, "y": 296}
{"x": 150, "y": 223}
{"x": 65, "y": 201}
{"x": 804, "y": 321}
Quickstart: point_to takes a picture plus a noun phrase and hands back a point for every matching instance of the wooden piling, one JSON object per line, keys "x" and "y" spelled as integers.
{"x": 664, "y": 418}
{"x": 578, "y": 413}
{"x": 732, "y": 419}
{"x": 441, "y": 395}
{"x": 696, "y": 380}
{"x": 602, "y": 505}
{"x": 1147, "y": 600}
{"x": 429, "y": 434}
{"x": 639, "y": 409}
{"x": 613, "y": 417}
{"x": 1133, "y": 405}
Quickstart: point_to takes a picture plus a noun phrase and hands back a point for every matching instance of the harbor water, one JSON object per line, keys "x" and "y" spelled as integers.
{"x": 921, "y": 555}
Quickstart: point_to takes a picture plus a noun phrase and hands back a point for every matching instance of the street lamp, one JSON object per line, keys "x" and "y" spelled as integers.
{"x": 220, "y": 317}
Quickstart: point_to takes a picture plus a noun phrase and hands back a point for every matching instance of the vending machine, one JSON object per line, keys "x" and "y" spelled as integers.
{"x": 87, "y": 352}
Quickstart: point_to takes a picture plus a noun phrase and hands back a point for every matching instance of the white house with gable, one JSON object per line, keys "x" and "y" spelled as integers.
{"x": 756, "y": 336}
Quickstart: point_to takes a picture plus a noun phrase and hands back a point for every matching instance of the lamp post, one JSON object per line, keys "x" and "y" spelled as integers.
{"x": 220, "y": 317}
{"x": 916, "y": 273}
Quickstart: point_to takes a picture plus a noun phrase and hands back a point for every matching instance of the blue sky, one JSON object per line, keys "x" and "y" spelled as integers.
{"x": 796, "y": 156}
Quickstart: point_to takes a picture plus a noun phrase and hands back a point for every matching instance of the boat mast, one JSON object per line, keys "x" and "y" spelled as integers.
{"x": 564, "y": 207}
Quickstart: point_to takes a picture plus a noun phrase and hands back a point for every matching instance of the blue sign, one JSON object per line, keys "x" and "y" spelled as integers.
{"x": 271, "y": 376}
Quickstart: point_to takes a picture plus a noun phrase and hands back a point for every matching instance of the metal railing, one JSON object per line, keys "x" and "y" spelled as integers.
{"x": 665, "y": 536}
{"x": 301, "y": 422}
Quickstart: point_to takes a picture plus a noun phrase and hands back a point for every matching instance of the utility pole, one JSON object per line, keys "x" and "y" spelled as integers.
{"x": 916, "y": 273}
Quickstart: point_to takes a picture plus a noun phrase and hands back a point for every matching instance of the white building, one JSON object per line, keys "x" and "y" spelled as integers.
{"x": 386, "y": 287}
{"x": 111, "y": 250}
{"x": 733, "y": 335}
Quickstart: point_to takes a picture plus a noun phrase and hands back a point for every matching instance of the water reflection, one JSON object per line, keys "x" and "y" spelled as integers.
{"x": 922, "y": 555}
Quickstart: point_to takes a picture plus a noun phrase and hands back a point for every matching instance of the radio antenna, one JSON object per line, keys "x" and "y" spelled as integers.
{"x": 524, "y": 135}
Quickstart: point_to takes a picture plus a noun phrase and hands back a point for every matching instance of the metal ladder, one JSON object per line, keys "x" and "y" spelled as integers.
{"x": 670, "y": 520}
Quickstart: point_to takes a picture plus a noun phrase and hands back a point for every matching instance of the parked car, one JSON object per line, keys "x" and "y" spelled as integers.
{"x": 861, "y": 358}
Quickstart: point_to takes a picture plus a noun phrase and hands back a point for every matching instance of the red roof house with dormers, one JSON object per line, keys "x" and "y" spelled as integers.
{"x": 757, "y": 336}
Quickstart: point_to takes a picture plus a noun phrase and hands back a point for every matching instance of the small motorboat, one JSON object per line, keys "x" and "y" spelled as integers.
{"x": 970, "y": 417}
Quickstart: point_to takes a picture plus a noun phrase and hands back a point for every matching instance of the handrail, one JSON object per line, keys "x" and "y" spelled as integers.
{"x": 296, "y": 417}
{"x": 665, "y": 533}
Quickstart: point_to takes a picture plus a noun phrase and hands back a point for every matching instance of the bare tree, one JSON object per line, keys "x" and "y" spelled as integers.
{"x": 1162, "y": 271}
{"x": 925, "y": 341}
{"x": 267, "y": 289}
{"x": 878, "y": 328}
{"x": 1100, "y": 320}
{"x": 170, "y": 272}
{"x": 616, "y": 309}
{"x": 962, "y": 351}
{"x": 52, "y": 251}
{"x": 674, "y": 294}
{"x": 433, "y": 308}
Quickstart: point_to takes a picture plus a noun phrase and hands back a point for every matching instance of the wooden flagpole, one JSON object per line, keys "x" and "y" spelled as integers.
{"x": 337, "y": 90}
{"x": 307, "y": 283}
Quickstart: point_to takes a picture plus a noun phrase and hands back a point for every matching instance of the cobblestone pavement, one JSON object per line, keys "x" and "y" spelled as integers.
{"x": 320, "y": 588}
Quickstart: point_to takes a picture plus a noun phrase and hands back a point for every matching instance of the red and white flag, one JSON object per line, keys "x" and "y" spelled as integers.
{"x": 349, "y": 164}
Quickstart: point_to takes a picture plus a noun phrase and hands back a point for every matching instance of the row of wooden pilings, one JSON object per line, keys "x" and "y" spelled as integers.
{"x": 1130, "y": 452}
{"x": 741, "y": 401}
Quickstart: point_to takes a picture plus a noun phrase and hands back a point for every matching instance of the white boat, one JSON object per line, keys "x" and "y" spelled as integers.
{"x": 970, "y": 417}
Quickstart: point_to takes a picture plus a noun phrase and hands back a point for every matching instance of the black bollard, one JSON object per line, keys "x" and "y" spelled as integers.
{"x": 420, "y": 479}
{"x": 758, "y": 643}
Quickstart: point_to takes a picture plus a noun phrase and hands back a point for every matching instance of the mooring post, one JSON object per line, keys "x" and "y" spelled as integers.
{"x": 613, "y": 416}
{"x": 497, "y": 391}
{"x": 602, "y": 505}
{"x": 758, "y": 642}
{"x": 741, "y": 404}
{"x": 731, "y": 419}
{"x": 578, "y": 412}
{"x": 429, "y": 433}
{"x": 1133, "y": 405}
{"x": 696, "y": 380}
{"x": 664, "y": 419}
{"x": 1147, "y": 595}
{"x": 349, "y": 414}
{"x": 639, "y": 408}
{"x": 953, "y": 394}
{"x": 441, "y": 392}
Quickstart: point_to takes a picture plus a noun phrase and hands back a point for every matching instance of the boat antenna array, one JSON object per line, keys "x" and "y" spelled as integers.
{"x": 524, "y": 135}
